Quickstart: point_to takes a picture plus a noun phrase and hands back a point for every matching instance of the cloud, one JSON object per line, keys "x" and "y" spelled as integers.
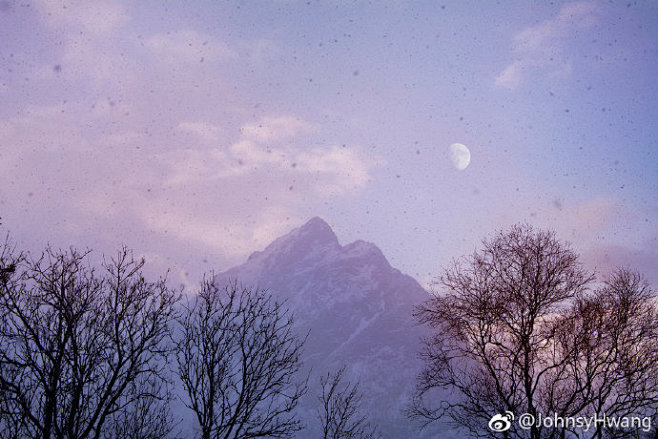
{"x": 270, "y": 153}
{"x": 190, "y": 196}
{"x": 236, "y": 198}
{"x": 87, "y": 35}
{"x": 511, "y": 76}
{"x": 587, "y": 219}
{"x": 203, "y": 131}
{"x": 271, "y": 129}
{"x": 606, "y": 231}
{"x": 541, "y": 47}
{"x": 221, "y": 231}
{"x": 343, "y": 168}
{"x": 607, "y": 258}
{"x": 262, "y": 50}
{"x": 144, "y": 141}
{"x": 188, "y": 46}
{"x": 97, "y": 17}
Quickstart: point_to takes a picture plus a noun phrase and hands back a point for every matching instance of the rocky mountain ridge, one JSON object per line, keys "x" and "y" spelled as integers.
{"x": 357, "y": 310}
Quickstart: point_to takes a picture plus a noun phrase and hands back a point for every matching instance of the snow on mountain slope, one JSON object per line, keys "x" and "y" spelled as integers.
{"x": 358, "y": 310}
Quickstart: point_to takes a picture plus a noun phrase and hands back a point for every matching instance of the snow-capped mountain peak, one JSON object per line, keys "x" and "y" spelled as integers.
{"x": 306, "y": 242}
{"x": 357, "y": 308}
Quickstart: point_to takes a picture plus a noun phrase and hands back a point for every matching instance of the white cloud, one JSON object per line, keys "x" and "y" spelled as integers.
{"x": 198, "y": 196}
{"x": 578, "y": 12}
{"x": 586, "y": 221}
{"x": 540, "y": 47}
{"x": 151, "y": 148}
{"x": 87, "y": 59}
{"x": 511, "y": 76}
{"x": 606, "y": 232}
{"x": 271, "y": 129}
{"x": 218, "y": 228}
{"x": 188, "y": 46}
{"x": 87, "y": 35}
{"x": 204, "y": 131}
{"x": 96, "y": 17}
{"x": 262, "y": 50}
{"x": 236, "y": 199}
{"x": 269, "y": 150}
{"x": 255, "y": 154}
{"x": 344, "y": 169}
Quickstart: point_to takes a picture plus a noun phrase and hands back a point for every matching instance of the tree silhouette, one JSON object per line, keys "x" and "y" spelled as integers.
{"x": 517, "y": 328}
{"x": 340, "y": 409}
{"x": 79, "y": 350}
{"x": 238, "y": 361}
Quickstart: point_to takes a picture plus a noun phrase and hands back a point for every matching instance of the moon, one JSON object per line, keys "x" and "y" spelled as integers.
{"x": 460, "y": 156}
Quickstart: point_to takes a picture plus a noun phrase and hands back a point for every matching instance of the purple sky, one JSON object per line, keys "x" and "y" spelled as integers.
{"x": 197, "y": 132}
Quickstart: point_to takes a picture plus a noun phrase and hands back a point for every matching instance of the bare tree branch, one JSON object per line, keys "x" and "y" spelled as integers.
{"x": 75, "y": 343}
{"x": 517, "y": 329}
{"x": 339, "y": 415}
{"x": 238, "y": 360}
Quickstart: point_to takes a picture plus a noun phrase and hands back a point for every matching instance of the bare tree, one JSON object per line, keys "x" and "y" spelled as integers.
{"x": 340, "y": 415}
{"x": 517, "y": 330}
{"x": 609, "y": 342}
{"x": 238, "y": 361}
{"x": 75, "y": 345}
{"x": 144, "y": 418}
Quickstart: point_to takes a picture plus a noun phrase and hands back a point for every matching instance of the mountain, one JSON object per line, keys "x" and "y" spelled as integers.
{"x": 358, "y": 310}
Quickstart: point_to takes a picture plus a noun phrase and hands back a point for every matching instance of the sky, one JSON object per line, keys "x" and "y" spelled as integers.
{"x": 197, "y": 132}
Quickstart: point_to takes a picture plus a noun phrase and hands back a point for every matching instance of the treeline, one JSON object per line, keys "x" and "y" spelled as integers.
{"x": 90, "y": 352}
{"x": 519, "y": 326}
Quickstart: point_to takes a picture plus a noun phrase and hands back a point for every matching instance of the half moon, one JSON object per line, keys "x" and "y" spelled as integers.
{"x": 460, "y": 156}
